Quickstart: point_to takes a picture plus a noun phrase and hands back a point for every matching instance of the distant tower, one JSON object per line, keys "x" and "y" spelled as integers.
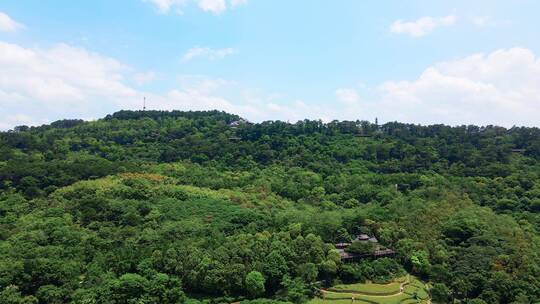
{"x": 144, "y": 104}
{"x": 376, "y": 121}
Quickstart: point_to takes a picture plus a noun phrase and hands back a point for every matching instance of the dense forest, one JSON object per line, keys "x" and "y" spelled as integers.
{"x": 205, "y": 207}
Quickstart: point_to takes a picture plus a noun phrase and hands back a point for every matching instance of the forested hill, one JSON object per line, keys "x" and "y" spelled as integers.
{"x": 169, "y": 207}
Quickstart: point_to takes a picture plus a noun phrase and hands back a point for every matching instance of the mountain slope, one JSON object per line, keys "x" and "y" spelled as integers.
{"x": 176, "y": 206}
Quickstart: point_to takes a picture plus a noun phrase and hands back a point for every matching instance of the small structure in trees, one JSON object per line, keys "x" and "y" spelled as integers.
{"x": 362, "y": 238}
{"x": 235, "y": 124}
{"x": 342, "y": 245}
{"x": 371, "y": 245}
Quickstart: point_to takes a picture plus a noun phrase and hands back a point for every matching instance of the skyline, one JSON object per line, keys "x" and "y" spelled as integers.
{"x": 423, "y": 62}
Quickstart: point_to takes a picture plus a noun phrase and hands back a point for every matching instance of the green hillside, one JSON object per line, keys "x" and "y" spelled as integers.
{"x": 193, "y": 207}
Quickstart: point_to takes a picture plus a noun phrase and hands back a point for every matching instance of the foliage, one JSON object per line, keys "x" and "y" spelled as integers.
{"x": 255, "y": 284}
{"x": 171, "y": 207}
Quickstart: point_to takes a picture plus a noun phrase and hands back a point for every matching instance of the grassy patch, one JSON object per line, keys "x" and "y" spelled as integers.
{"x": 363, "y": 300}
{"x": 376, "y": 293}
{"x": 368, "y": 288}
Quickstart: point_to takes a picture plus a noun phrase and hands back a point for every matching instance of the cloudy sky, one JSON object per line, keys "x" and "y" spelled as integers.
{"x": 453, "y": 62}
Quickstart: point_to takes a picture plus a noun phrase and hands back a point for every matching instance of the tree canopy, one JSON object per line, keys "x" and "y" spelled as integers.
{"x": 178, "y": 207}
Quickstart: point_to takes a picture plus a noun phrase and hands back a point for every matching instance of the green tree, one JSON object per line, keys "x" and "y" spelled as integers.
{"x": 295, "y": 290}
{"x": 255, "y": 284}
{"x": 440, "y": 293}
{"x": 308, "y": 272}
{"x": 275, "y": 267}
{"x": 11, "y": 295}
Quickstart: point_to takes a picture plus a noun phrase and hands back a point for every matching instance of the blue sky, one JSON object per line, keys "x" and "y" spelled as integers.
{"x": 453, "y": 62}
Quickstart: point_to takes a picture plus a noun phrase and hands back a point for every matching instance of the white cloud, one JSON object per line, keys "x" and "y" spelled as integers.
{"x": 422, "y": 26}
{"x": 60, "y": 82}
{"x": 347, "y": 96}
{"x": 191, "y": 99}
{"x": 60, "y": 72}
{"x": 207, "y": 53}
{"x": 42, "y": 85}
{"x": 199, "y": 93}
{"x": 213, "y": 6}
{"x": 497, "y": 88}
{"x": 18, "y": 119}
{"x": 7, "y": 24}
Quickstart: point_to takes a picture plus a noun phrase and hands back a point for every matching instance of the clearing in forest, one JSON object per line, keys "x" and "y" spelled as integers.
{"x": 405, "y": 290}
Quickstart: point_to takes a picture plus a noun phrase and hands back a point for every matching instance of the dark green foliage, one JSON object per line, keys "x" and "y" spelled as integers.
{"x": 440, "y": 293}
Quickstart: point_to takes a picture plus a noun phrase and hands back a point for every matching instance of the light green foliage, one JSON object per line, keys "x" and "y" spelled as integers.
{"x": 255, "y": 283}
{"x": 420, "y": 262}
